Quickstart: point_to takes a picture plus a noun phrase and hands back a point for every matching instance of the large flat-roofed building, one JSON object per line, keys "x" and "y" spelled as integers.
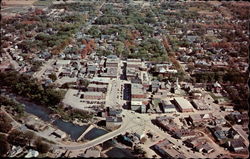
{"x": 183, "y": 104}
{"x": 112, "y": 62}
{"x": 97, "y": 88}
{"x": 167, "y": 149}
{"x": 100, "y": 80}
{"x": 136, "y": 105}
{"x": 137, "y": 91}
{"x": 134, "y": 63}
{"x": 63, "y": 62}
{"x": 168, "y": 107}
{"x": 93, "y": 95}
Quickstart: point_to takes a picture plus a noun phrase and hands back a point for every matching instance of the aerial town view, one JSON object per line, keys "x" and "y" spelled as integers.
{"x": 124, "y": 79}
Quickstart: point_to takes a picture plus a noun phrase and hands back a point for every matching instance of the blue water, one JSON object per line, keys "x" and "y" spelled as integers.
{"x": 94, "y": 133}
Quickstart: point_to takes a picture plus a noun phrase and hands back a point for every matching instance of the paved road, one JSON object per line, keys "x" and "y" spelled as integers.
{"x": 44, "y": 68}
{"x": 242, "y": 133}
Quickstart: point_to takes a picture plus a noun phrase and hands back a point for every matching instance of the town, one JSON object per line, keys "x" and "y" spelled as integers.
{"x": 124, "y": 78}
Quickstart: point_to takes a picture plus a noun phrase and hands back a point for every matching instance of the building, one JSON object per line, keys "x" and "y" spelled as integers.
{"x": 60, "y": 134}
{"x": 155, "y": 86}
{"x": 31, "y": 154}
{"x": 166, "y": 149}
{"x": 112, "y": 62}
{"x": 236, "y": 145}
{"x": 199, "y": 105}
{"x": 166, "y": 123}
{"x": 93, "y": 95}
{"x": 137, "y": 91}
{"x": 136, "y": 105}
{"x": 184, "y": 133}
{"x": 168, "y": 107}
{"x": 228, "y": 108}
{"x": 113, "y": 123}
{"x": 100, "y": 80}
{"x": 92, "y": 152}
{"x": 197, "y": 119}
{"x": 97, "y": 88}
{"x": 63, "y": 62}
{"x": 183, "y": 104}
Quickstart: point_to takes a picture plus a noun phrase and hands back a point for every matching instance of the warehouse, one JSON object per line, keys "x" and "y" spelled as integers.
{"x": 183, "y": 104}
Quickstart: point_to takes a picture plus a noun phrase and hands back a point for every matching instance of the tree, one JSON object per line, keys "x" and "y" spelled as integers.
{"x": 5, "y": 146}
{"x": 53, "y": 77}
{"x": 17, "y": 137}
{"x": 5, "y": 123}
{"x": 30, "y": 135}
{"x": 41, "y": 146}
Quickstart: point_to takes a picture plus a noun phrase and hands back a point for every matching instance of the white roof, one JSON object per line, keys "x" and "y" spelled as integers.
{"x": 63, "y": 62}
{"x": 100, "y": 79}
{"x": 32, "y": 153}
{"x": 136, "y": 102}
{"x": 183, "y": 103}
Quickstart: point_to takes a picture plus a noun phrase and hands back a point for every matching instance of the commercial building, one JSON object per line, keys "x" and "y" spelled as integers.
{"x": 167, "y": 149}
{"x": 137, "y": 91}
{"x": 168, "y": 107}
{"x": 97, "y": 88}
{"x": 113, "y": 122}
{"x": 183, "y": 104}
{"x": 93, "y": 95}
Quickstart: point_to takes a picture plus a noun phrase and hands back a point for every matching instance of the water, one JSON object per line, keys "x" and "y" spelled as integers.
{"x": 71, "y": 129}
{"x": 94, "y": 133}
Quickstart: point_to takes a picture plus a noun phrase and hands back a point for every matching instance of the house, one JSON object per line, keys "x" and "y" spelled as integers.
{"x": 113, "y": 123}
{"x": 183, "y": 105}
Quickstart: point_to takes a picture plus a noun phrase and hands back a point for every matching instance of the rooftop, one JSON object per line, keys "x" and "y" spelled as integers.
{"x": 185, "y": 104}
